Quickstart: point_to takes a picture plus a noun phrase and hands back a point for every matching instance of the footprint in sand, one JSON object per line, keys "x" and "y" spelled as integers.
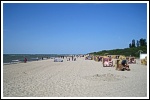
{"x": 105, "y": 77}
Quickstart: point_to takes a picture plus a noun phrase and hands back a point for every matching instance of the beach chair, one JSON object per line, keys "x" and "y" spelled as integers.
{"x": 144, "y": 61}
{"x": 131, "y": 60}
{"x": 107, "y": 62}
{"x": 120, "y": 67}
{"x": 100, "y": 59}
{"x": 88, "y": 58}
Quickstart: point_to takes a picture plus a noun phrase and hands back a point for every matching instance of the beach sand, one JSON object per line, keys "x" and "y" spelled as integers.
{"x": 81, "y": 78}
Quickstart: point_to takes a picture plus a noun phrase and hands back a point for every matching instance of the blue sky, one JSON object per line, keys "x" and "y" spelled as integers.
{"x": 71, "y": 28}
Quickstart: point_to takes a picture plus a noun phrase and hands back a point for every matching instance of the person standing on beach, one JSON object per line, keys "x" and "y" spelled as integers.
{"x": 25, "y": 60}
{"x": 72, "y": 58}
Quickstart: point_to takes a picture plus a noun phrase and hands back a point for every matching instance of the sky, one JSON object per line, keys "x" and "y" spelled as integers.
{"x": 71, "y": 28}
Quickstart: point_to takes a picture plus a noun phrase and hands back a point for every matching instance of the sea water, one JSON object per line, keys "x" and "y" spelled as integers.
{"x": 11, "y": 58}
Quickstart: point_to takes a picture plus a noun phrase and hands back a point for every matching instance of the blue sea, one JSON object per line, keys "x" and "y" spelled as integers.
{"x": 9, "y": 58}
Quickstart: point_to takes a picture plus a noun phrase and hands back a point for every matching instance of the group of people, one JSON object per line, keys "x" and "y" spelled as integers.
{"x": 62, "y": 57}
{"x": 73, "y": 59}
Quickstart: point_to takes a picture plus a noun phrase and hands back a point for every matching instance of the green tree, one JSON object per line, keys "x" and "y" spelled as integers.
{"x": 133, "y": 43}
{"x": 143, "y": 42}
{"x": 137, "y": 43}
{"x": 130, "y": 45}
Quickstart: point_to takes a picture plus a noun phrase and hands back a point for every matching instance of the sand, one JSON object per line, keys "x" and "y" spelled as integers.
{"x": 81, "y": 78}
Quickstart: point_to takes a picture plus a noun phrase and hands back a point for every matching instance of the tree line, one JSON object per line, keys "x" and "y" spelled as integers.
{"x": 141, "y": 42}
{"x": 133, "y": 49}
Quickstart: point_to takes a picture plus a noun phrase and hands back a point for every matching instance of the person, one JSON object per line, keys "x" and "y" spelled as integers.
{"x": 72, "y": 58}
{"x": 125, "y": 65}
{"x": 124, "y": 62}
{"x": 25, "y": 60}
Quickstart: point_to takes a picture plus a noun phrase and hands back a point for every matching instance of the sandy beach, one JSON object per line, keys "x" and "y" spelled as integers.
{"x": 80, "y": 78}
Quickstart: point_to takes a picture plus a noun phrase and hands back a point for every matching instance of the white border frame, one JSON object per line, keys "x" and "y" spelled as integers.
{"x": 81, "y": 3}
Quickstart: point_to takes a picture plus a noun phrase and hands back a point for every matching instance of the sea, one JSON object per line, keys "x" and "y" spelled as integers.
{"x": 15, "y": 58}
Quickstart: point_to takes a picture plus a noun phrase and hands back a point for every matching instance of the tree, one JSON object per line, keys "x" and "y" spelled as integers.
{"x": 130, "y": 45}
{"x": 137, "y": 43}
{"x": 143, "y": 42}
{"x": 133, "y": 43}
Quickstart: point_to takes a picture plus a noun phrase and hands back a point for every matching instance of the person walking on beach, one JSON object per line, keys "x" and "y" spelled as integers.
{"x": 69, "y": 59}
{"x": 25, "y": 60}
{"x": 72, "y": 58}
